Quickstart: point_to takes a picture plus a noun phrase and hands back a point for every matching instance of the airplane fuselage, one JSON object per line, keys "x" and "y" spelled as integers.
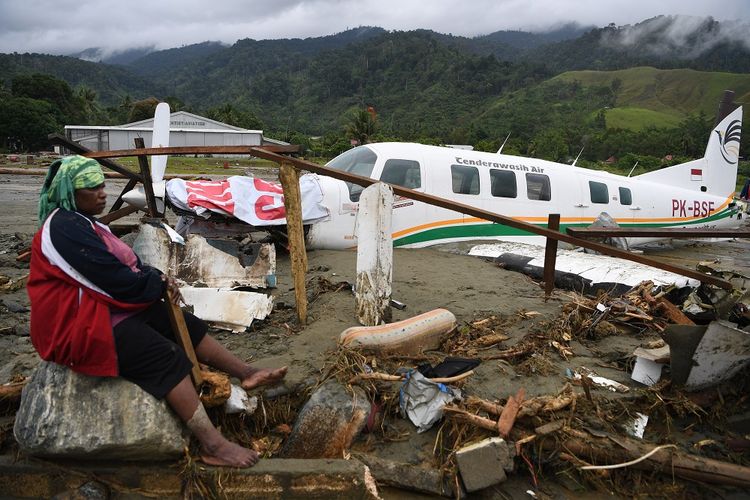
{"x": 526, "y": 189}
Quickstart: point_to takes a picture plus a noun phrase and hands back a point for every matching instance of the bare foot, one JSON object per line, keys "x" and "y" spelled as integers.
{"x": 228, "y": 454}
{"x": 263, "y": 376}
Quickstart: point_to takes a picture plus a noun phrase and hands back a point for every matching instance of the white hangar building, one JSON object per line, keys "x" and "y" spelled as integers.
{"x": 185, "y": 129}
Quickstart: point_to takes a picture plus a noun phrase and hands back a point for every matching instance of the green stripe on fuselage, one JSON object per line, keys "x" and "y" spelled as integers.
{"x": 490, "y": 229}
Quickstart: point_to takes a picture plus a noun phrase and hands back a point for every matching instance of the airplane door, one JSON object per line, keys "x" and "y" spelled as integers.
{"x": 598, "y": 196}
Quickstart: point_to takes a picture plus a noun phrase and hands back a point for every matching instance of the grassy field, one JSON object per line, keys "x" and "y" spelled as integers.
{"x": 206, "y": 166}
{"x": 638, "y": 119}
{"x": 669, "y": 94}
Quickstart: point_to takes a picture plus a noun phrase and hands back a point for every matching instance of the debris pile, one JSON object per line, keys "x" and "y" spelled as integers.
{"x": 593, "y": 397}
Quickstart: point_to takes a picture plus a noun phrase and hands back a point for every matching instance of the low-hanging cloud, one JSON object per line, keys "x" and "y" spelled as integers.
{"x": 680, "y": 36}
{"x": 70, "y": 26}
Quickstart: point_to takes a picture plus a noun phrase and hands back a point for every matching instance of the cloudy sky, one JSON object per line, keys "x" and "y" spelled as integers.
{"x": 69, "y": 26}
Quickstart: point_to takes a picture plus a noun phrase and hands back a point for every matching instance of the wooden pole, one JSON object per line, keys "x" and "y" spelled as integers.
{"x": 116, "y": 214}
{"x": 550, "y": 256}
{"x": 119, "y": 201}
{"x": 81, "y": 150}
{"x": 293, "y": 205}
{"x": 147, "y": 183}
{"x": 177, "y": 320}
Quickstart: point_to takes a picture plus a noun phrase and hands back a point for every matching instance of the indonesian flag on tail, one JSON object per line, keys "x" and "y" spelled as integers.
{"x": 696, "y": 174}
{"x": 251, "y": 200}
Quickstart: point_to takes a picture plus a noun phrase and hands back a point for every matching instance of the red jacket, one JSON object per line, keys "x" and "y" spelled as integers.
{"x": 70, "y": 321}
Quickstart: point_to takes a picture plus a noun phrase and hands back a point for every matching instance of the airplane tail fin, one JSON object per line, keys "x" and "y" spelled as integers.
{"x": 716, "y": 172}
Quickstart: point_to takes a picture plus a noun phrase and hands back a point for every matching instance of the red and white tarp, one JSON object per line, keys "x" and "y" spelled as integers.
{"x": 249, "y": 199}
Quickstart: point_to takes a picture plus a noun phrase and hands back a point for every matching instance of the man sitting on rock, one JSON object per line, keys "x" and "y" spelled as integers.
{"x": 98, "y": 310}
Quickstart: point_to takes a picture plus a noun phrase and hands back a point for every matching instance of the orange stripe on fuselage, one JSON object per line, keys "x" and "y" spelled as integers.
{"x": 566, "y": 220}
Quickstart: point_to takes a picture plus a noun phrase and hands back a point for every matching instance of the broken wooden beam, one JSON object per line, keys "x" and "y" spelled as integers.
{"x": 289, "y": 178}
{"x": 179, "y": 328}
{"x": 148, "y": 186}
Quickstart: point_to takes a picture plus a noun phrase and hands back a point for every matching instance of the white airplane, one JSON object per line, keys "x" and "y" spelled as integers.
{"x": 696, "y": 194}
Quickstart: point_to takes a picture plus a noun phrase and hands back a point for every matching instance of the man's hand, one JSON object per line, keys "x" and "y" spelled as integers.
{"x": 173, "y": 289}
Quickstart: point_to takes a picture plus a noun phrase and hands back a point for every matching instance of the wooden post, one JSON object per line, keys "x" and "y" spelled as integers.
{"x": 550, "y": 255}
{"x": 147, "y": 183}
{"x": 293, "y": 205}
{"x": 374, "y": 255}
{"x": 177, "y": 320}
{"x": 116, "y": 214}
{"x": 118, "y": 202}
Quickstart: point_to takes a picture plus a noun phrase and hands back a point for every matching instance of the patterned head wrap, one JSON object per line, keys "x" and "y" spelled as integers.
{"x": 64, "y": 177}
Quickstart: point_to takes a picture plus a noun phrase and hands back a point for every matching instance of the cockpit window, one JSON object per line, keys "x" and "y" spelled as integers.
{"x": 359, "y": 161}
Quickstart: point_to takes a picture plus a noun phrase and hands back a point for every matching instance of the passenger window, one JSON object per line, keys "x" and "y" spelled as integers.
{"x": 626, "y": 197}
{"x": 599, "y": 192}
{"x": 465, "y": 179}
{"x": 503, "y": 183}
{"x": 402, "y": 173}
{"x": 538, "y": 187}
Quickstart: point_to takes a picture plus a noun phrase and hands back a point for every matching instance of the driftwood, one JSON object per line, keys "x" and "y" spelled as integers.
{"x": 678, "y": 463}
{"x": 398, "y": 378}
{"x": 530, "y": 407}
{"x": 491, "y": 339}
{"x": 481, "y": 422}
{"x": 508, "y": 416}
{"x": 10, "y": 397}
{"x": 488, "y": 406}
{"x": 672, "y": 312}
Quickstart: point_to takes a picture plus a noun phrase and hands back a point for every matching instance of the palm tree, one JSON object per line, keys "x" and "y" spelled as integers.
{"x": 361, "y": 126}
{"x": 89, "y": 106}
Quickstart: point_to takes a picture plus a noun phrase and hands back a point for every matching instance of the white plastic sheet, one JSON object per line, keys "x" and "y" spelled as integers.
{"x": 422, "y": 400}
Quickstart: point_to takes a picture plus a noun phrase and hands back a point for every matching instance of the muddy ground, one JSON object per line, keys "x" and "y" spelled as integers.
{"x": 474, "y": 290}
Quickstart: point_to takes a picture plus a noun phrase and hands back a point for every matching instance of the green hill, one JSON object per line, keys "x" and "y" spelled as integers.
{"x": 648, "y": 96}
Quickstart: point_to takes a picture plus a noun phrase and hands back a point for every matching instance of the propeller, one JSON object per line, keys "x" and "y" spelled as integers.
{"x": 159, "y": 139}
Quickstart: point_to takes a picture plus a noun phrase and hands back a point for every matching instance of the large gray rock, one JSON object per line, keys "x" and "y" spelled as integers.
{"x": 328, "y": 423}
{"x": 67, "y": 415}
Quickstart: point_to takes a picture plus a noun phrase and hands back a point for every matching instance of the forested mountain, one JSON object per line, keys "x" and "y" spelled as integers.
{"x": 662, "y": 42}
{"x": 433, "y": 87}
{"x": 111, "y": 83}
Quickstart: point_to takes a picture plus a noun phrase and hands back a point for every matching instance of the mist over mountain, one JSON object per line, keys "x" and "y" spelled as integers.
{"x": 421, "y": 83}
{"x": 662, "y": 42}
{"x": 683, "y": 37}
